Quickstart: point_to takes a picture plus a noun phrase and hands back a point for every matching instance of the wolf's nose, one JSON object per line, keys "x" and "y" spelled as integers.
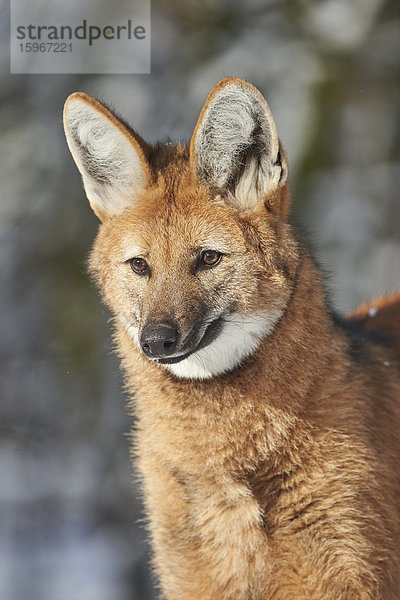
{"x": 159, "y": 340}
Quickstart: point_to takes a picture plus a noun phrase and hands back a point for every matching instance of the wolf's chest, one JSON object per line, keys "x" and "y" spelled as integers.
{"x": 226, "y": 521}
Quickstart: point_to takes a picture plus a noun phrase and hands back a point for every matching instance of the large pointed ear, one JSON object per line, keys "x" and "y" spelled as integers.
{"x": 110, "y": 157}
{"x": 235, "y": 146}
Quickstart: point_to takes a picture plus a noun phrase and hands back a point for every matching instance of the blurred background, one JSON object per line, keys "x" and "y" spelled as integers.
{"x": 70, "y": 507}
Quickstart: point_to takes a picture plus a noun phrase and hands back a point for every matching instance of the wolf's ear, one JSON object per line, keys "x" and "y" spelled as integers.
{"x": 110, "y": 157}
{"x": 235, "y": 146}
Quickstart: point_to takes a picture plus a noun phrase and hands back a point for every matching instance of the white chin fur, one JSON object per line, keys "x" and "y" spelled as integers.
{"x": 240, "y": 337}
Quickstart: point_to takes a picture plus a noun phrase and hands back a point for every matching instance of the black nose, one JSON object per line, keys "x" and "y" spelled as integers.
{"x": 158, "y": 340}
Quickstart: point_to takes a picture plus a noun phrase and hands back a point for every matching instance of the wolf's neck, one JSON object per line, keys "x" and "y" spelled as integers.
{"x": 254, "y": 407}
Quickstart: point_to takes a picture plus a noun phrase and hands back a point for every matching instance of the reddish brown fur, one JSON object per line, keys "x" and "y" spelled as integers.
{"x": 279, "y": 480}
{"x": 381, "y": 315}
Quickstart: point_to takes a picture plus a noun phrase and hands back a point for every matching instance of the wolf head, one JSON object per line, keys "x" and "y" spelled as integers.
{"x": 194, "y": 255}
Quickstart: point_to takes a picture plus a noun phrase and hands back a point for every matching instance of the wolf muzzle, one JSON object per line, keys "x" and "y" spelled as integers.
{"x": 159, "y": 340}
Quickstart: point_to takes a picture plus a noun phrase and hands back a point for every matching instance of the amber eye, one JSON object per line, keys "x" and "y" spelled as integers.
{"x": 139, "y": 265}
{"x": 210, "y": 258}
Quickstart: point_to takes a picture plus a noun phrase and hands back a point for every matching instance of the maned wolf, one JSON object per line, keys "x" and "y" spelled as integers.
{"x": 268, "y": 429}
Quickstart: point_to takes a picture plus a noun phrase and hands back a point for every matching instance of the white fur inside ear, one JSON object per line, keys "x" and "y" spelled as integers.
{"x": 251, "y": 187}
{"x": 237, "y": 145}
{"x": 111, "y": 169}
{"x": 239, "y": 338}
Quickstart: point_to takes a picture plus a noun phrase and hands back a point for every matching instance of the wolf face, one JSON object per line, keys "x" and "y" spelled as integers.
{"x": 194, "y": 255}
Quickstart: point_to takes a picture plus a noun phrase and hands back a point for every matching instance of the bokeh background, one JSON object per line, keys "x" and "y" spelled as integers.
{"x": 70, "y": 508}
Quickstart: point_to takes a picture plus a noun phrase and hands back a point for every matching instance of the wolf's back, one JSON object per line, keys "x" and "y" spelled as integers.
{"x": 381, "y": 316}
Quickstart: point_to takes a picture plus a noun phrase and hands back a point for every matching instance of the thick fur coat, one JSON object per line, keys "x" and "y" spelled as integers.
{"x": 268, "y": 429}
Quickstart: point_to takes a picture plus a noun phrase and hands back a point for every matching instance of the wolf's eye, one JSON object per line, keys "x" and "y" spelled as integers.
{"x": 139, "y": 265}
{"x": 210, "y": 258}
